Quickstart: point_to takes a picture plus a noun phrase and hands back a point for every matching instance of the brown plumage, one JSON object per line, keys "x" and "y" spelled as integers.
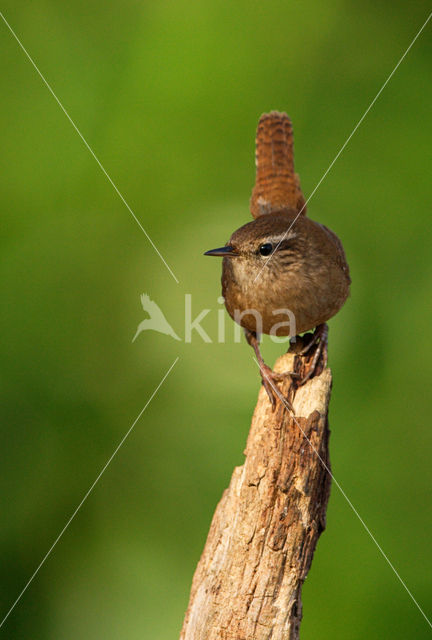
{"x": 282, "y": 274}
{"x": 277, "y": 186}
{"x": 307, "y": 274}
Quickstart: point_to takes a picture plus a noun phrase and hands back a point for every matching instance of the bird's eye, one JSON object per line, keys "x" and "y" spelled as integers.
{"x": 266, "y": 249}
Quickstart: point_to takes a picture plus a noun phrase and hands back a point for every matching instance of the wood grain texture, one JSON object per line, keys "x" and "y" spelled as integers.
{"x": 248, "y": 582}
{"x": 277, "y": 186}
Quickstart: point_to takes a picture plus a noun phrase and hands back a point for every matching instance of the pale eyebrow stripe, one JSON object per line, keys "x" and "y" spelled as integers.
{"x": 280, "y": 238}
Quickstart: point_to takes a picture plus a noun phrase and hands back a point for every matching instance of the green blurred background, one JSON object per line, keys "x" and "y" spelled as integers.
{"x": 168, "y": 95}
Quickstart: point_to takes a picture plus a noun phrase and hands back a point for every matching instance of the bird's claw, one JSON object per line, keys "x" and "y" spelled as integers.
{"x": 269, "y": 379}
{"x": 268, "y": 376}
{"x": 320, "y": 341}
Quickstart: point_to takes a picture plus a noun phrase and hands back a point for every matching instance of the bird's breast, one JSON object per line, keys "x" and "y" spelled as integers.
{"x": 282, "y": 305}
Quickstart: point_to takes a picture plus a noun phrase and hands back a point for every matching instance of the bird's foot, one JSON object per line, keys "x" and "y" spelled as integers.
{"x": 320, "y": 342}
{"x": 270, "y": 378}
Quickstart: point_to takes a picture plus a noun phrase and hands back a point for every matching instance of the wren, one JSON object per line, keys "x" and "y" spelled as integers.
{"x": 282, "y": 264}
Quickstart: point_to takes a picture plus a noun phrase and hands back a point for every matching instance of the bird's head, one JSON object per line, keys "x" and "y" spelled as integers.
{"x": 271, "y": 241}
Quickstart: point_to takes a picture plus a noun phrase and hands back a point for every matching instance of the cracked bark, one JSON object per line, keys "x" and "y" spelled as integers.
{"x": 247, "y": 585}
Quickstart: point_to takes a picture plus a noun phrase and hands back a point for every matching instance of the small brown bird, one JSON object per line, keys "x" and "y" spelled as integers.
{"x": 282, "y": 274}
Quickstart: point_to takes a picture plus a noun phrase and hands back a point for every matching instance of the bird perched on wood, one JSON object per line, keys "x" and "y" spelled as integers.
{"x": 282, "y": 264}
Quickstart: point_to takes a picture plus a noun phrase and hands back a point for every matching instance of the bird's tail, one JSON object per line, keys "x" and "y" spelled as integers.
{"x": 277, "y": 186}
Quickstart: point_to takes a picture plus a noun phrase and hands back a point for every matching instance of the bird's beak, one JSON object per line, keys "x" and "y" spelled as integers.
{"x": 227, "y": 250}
